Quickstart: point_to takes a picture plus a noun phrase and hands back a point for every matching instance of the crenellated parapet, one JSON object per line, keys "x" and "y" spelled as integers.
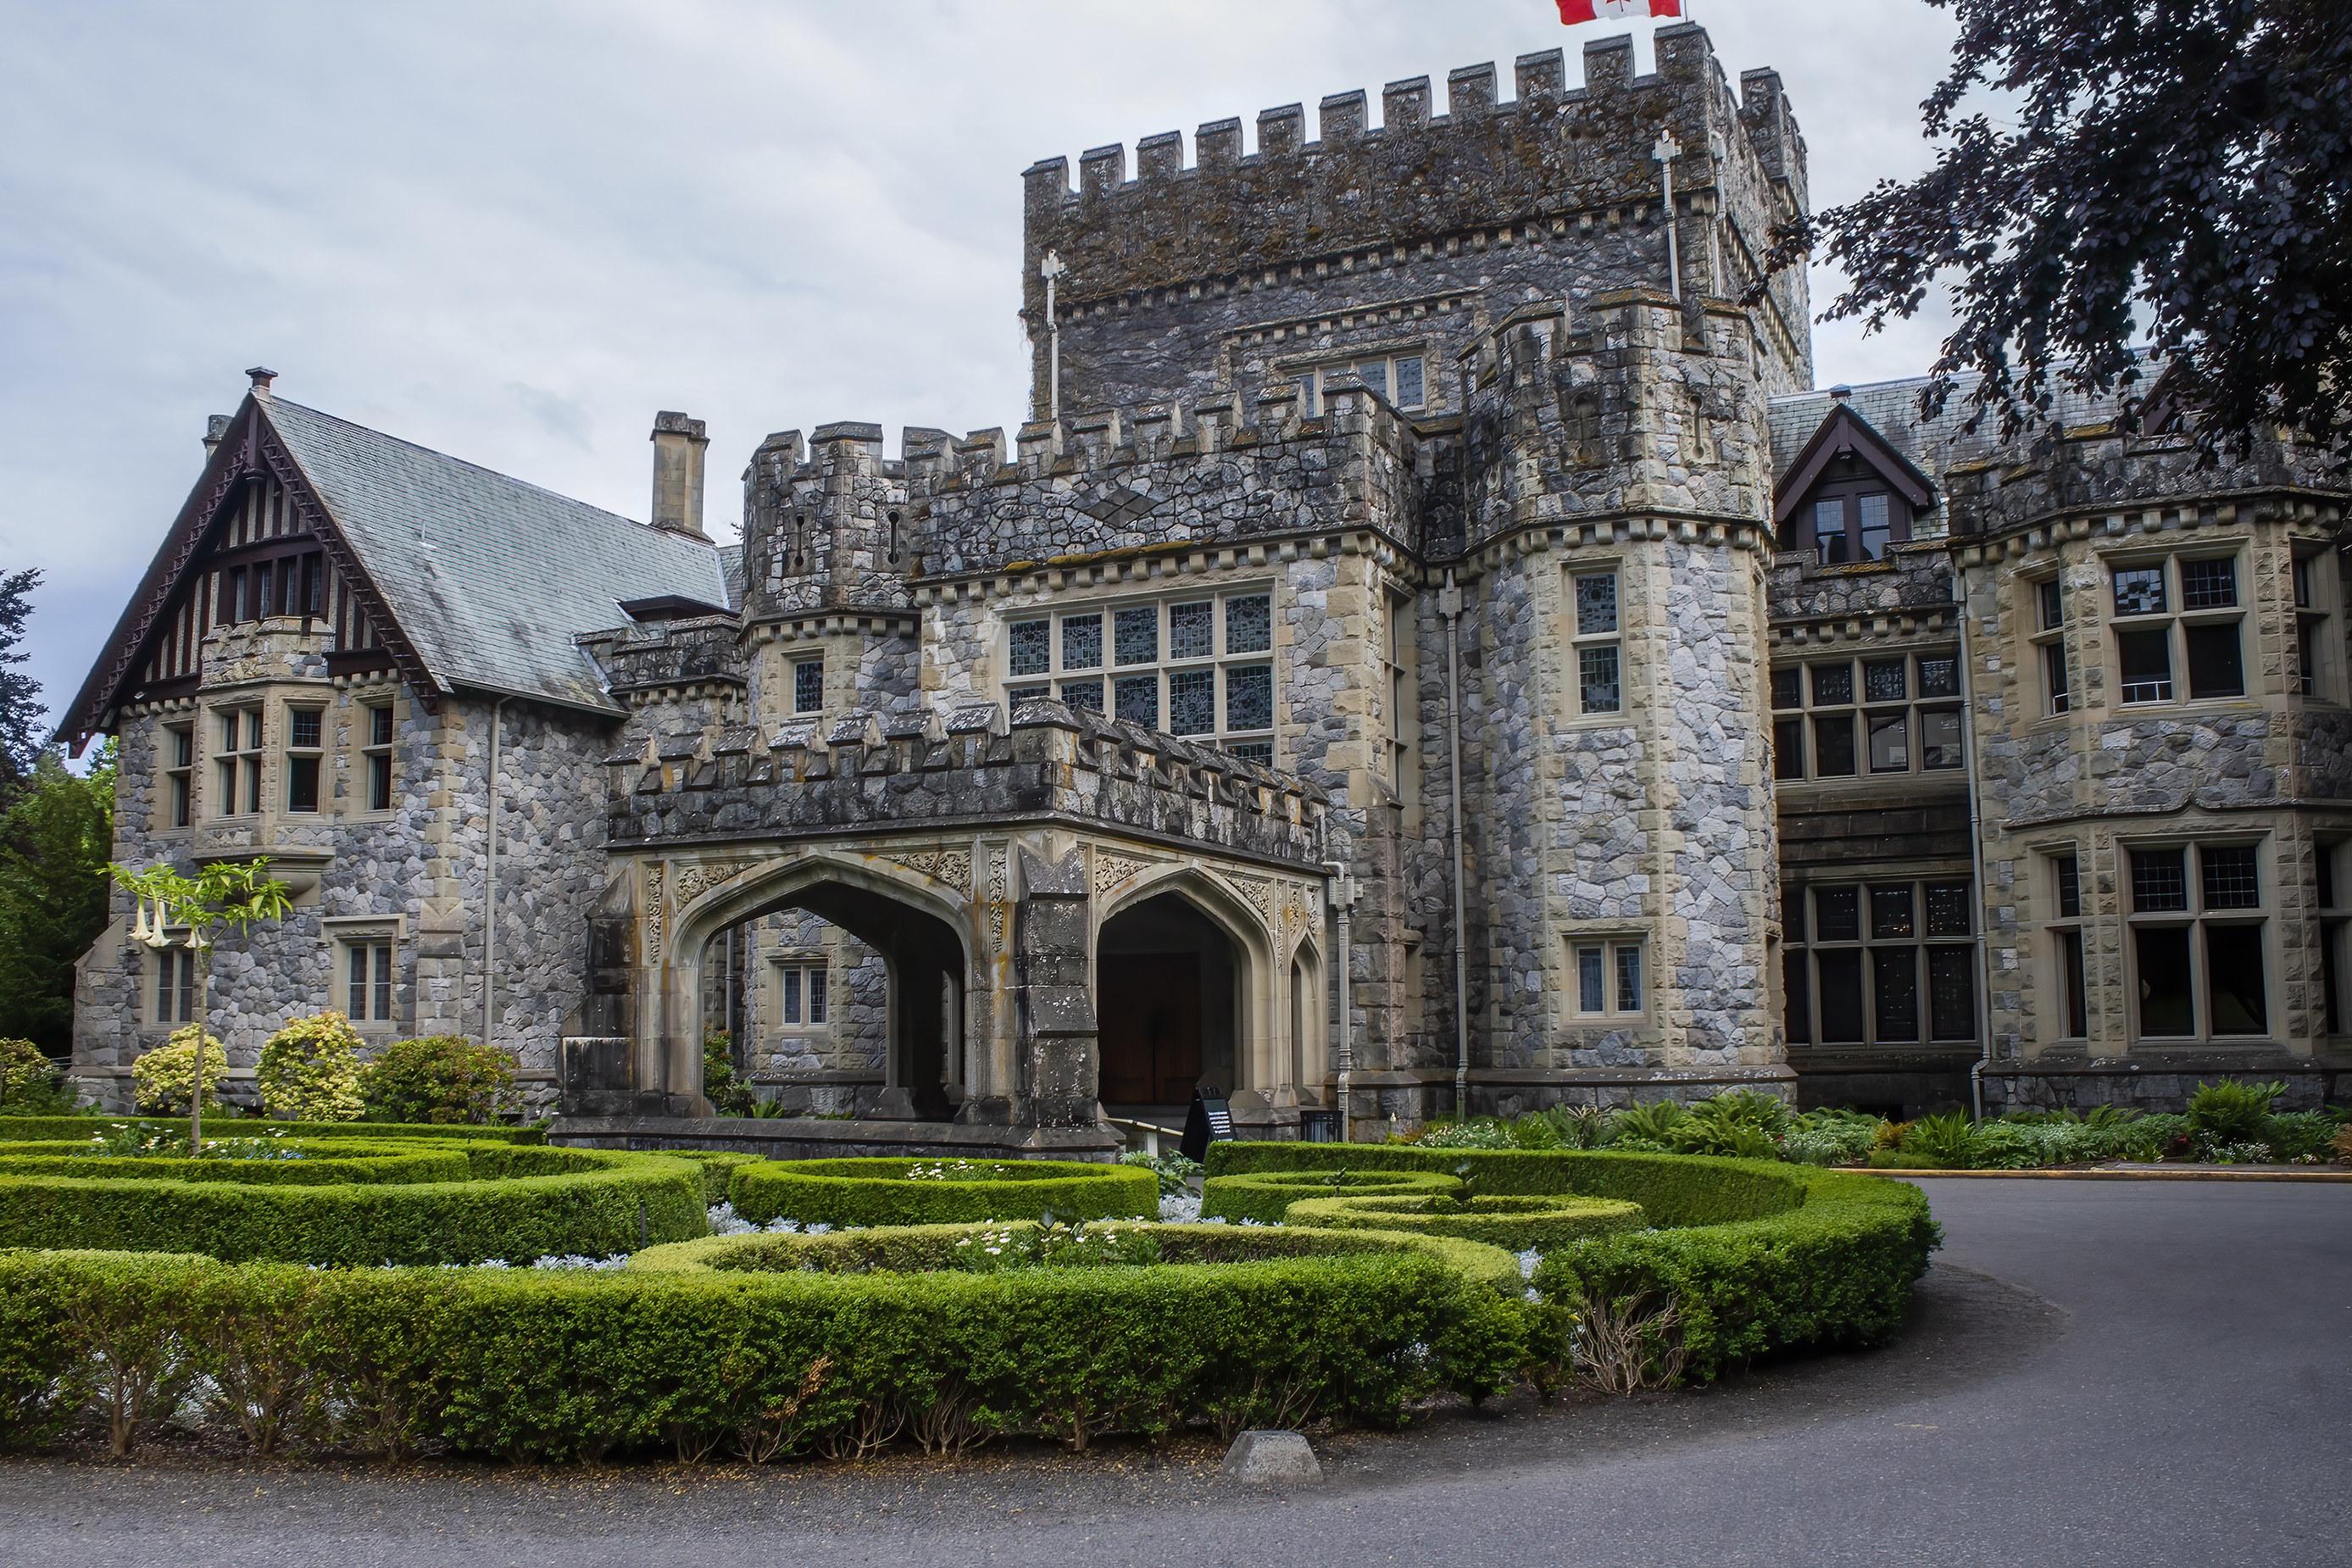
{"x": 2101, "y": 479}
{"x": 1397, "y": 241}
{"x": 1631, "y": 417}
{"x": 867, "y": 772}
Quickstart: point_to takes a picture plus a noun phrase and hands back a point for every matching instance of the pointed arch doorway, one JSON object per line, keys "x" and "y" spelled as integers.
{"x": 1167, "y": 989}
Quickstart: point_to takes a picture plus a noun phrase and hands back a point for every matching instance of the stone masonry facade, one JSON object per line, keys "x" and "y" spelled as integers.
{"x": 1408, "y": 657}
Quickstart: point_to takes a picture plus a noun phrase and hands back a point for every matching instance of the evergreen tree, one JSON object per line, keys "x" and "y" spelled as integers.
{"x": 20, "y": 695}
{"x": 54, "y": 843}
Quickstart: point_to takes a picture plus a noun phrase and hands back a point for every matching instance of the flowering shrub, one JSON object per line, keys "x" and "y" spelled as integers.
{"x": 309, "y": 1070}
{"x": 954, "y": 1171}
{"x": 162, "y": 1079}
{"x": 1053, "y": 1243}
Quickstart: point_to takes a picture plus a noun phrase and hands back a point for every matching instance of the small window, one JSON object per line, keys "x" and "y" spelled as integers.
{"x": 1249, "y": 698}
{"x": 1082, "y": 644}
{"x": 1788, "y": 747}
{"x": 1609, "y": 978}
{"x": 175, "y": 986}
{"x": 1086, "y": 694}
{"x": 1788, "y": 687}
{"x": 808, "y": 686}
{"x": 2139, "y": 591}
{"x": 2214, "y": 667}
{"x": 1833, "y": 685}
{"x": 1249, "y": 627}
{"x": 2076, "y": 1004}
{"x": 1032, "y": 648}
{"x": 1890, "y": 744}
{"x": 1885, "y": 680}
{"x": 1596, "y": 602}
{"x": 800, "y": 994}
{"x": 1871, "y": 510}
{"x": 368, "y": 981}
{"x": 1192, "y": 631}
{"x": 2147, "y": 661}
{"x": 179, "y": 776}
{"x": 1599, "y": 655}
{"x": 1138, "y": 698}
{"x": 1939, "y": 739}
{"x": 1939, "y": 678}
{"x": 302, "y": 759}
{"x": 1837, "y": 914}
{"x": 2229, "y": 877}
{"x": 1138, "y": 636}
{"x": 1890, "y": 914}
{"x": 1191, "y": 701}
{"x": 2160, "y": 881}
{"x": 2054, "y": 677}
{"x": 1833, "y": 745}
{"x": 2054, "y": 605}
{"x": 2064, "y": 867}
{"x": 1596, "y": 679}
{"x": 2208, "y": 584}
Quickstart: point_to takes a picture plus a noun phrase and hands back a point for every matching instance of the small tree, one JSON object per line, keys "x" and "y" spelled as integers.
{"x": 310, "y": 1070}
{"x": 225, "y": 893}
{"x": 29, "y": 1083}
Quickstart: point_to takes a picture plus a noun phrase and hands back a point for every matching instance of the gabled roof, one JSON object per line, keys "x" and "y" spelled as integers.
{"x": 1844, "y": 431}
{"x": 484, "y": 580}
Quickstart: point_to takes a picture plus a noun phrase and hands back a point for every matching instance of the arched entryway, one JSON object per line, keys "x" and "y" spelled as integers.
{"x": 1168, "y": 1005}
{"x": 922, "y": 949}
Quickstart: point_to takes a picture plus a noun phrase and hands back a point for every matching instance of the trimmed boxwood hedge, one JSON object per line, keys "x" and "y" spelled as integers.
{"x": 916, "y": 1248}
{"x": 876, "y": 1191}
{"x": 1267, "y": 1197}
{"x": 549, "y": 1366}
{"x": 34, "y": 1129}
{"x": 1759, "y": 1256}
{"x": 324, "y": 1162}
{"x": 516, "y": 1202}
{"x": 1518, "y": 1224}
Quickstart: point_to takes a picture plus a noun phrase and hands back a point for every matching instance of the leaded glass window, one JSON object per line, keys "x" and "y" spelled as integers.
{"x": 1191, "y": 701}
{"x": 1249, "y": 627}
{"x": 1032, "y": 648}
{"x": 1192, "y": 631}
{"x": 1136, "y": 635}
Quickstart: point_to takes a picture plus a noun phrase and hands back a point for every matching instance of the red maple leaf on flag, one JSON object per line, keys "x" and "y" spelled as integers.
{"x": 1571, "y": 12}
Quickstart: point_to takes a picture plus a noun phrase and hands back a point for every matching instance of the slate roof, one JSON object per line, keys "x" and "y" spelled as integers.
{"x": 1891, "y": 409}
{"x": 489, "y": 577}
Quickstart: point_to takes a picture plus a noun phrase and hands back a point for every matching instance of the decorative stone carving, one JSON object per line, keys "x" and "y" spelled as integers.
{"x": 952, "y": 867}
{"x": 1110, "y": 870}
{"x": 653, "y": 912}
{"x": 695, "y": 880}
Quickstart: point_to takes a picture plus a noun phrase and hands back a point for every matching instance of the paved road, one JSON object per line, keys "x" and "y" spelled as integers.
{"x": 2141, "y": 1375}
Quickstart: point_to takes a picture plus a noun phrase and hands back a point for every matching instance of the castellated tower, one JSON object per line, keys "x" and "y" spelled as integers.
{"x": 1368, "y": 246}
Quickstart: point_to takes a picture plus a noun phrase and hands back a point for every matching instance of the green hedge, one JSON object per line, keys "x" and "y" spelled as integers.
{"x": 324, "y": 1162}
{"x": 548, "y": 1366}
{"x": 518, "y": 1203}
{"x": 1757, "y": 1257}
{"x": 1515, "y": 1224}
{"x": 876, "y": 1191}
{"x": 1267, "y": 1198}
{"x": 37, "y": 1129}
{"x": 718, "y": 1166}
{"x": 905, "y": 1249}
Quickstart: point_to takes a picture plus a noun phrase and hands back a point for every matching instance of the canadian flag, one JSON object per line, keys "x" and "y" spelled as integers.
{"x": 1571, "y": 12}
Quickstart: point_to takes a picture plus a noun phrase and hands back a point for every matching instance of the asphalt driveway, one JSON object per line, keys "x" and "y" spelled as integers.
{"x": 2140, "y": 1374}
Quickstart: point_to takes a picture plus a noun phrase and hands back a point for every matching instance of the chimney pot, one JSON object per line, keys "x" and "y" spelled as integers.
{"x": 678, "y": 448}
{"x": 262, "y": 376}
{"x": 1840, "y": 393}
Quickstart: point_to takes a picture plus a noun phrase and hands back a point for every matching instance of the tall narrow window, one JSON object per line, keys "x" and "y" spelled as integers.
{"x": 368, "y": 980}
{"x": 302, "y": 758}
{"x": 1600, "y": 679}
{"x": 179, "y": 776}
{"x": 2054, "y": 677}
{"x": 239, "y": 761}
{"x": 378, "y": 754}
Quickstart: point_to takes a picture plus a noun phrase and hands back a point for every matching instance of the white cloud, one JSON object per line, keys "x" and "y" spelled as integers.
{"x": 513, "y": 232}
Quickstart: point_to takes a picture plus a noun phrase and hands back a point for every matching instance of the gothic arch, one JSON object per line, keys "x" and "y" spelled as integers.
{"x": 1264, "y": 1057}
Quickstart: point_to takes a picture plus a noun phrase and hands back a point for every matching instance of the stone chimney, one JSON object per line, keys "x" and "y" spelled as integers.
{"x": 678, "y": 444}
{"x": 216, "y": 427}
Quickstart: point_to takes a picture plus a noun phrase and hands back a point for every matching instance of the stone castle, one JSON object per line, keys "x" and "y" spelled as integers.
{"x": 1429, "y": 647}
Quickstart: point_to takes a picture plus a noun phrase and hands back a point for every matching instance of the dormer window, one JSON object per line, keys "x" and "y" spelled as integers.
{"x": 1851, "y": 522}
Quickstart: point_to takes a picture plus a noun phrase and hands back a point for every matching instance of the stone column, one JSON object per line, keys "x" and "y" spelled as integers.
{"x": 1054, "y": 1006}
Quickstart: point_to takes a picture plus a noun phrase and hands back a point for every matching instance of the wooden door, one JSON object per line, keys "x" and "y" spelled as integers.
{"x": 1148, "y": 1015}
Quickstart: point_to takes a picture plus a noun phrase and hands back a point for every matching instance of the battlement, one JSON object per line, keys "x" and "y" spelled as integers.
{"x": 970, "y": 764}
{"x": 1417, "y": 176}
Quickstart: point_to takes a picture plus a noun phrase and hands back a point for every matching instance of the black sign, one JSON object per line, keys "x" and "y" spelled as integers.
{"x": 1210, "y": 1121}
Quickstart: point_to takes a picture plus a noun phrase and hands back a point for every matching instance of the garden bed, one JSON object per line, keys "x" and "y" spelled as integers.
{"x": 510, "y": 1201}
{"x": 940, "y": 1192}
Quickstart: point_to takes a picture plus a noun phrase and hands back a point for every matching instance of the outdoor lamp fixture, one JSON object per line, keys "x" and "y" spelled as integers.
{"x": 1051, "y": 271}
{"x": 1666, "y": 152}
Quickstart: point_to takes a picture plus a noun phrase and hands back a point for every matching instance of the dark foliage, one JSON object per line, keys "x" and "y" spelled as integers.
{"x": 55, "y": 841}
{"x": 2167, "y": 173}
{"x": 20, "y": 694}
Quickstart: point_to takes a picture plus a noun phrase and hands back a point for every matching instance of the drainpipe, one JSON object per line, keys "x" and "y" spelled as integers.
{"x": 1665, "y": 153}
{"x": 1976, "y": 855}
{"x": 1449, "y": 605}
{"x": 490, "y": 890}
{"x": 1341, "y": 889}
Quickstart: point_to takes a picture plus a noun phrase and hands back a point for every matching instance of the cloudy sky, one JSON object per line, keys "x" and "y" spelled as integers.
{"x": 512, "y": 231}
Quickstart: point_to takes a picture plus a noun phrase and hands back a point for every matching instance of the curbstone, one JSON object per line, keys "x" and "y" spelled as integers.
{"x": 1263, "y": 1458}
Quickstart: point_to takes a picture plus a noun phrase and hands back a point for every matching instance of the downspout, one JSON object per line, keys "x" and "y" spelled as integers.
{"x": 1449, "y": 605}
{"x": 490, "y": 890}
{"x": 1976, "y": 855}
